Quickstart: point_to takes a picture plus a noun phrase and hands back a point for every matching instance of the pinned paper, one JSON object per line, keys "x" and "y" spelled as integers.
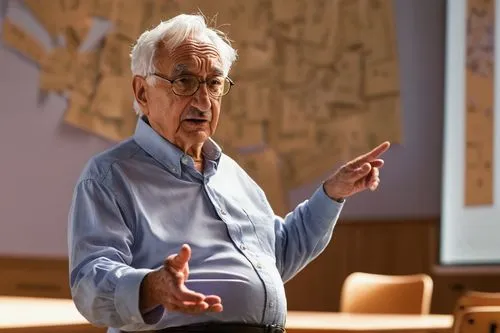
{"x": 381, "y": 78}
{"x": 85, "y": 73}
{"x": 75, "y": 34}
{"x": 319, "y": 25}
{"x": 378, "y": 32}
{"x": 128, "y": 17}
{"x": 56, "y": 69}
{"x": 288, "y": 10}
{"x": 78, "y": 113}
{"x": 349, "y": 24}
{"x": 48, "y": 14}
{"x": 101, "y": 8}
{"x": 115, "y": 59}
{"x": 112, "y": 97}
{"x": 248, "y": 135}
{"x": 156, "y": 11}
{"x": 347, "y": 83}
{"x": 16, "y": 38}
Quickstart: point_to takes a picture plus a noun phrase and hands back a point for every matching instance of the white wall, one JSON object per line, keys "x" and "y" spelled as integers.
{"x": 469, "y": 235}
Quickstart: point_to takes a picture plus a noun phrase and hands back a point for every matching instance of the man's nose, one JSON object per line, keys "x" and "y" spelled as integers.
{"x": 201, "y": 98}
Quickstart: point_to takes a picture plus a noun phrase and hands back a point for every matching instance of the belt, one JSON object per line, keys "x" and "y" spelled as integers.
{"x": 219, "y": 328}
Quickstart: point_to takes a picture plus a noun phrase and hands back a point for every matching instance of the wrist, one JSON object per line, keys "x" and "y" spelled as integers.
{"x": 334, "y": 197}
{"x": 147, "y": 296}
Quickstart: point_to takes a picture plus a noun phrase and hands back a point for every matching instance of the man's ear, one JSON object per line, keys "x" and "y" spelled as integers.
{"x": 139, "y": 85}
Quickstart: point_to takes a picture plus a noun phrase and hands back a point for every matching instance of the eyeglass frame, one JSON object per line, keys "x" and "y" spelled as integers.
{"x": 200, "y": 82}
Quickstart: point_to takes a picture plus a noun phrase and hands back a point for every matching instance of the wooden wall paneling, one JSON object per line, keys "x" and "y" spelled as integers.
{"x": 47, "y": 277}
{"x": 399, "y": 247}
{"x": 384, "y": 247}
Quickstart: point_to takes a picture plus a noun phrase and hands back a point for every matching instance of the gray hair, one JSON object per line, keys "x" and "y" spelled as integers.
{"x": 171, "y": 34}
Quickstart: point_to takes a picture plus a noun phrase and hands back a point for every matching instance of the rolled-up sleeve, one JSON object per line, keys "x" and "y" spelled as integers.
{"x": 104, "y": 287}
{"x": 305, "y": 232}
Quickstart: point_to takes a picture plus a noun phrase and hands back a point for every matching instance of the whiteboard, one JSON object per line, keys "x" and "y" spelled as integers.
{"x": 468, "y": 235}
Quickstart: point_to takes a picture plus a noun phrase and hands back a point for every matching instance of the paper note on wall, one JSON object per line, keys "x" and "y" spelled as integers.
{"x": 56, "y": 69}
{"x": 479, "y": 101}
{"x": 16, "y": 38}
{"x": 48, "y": 14}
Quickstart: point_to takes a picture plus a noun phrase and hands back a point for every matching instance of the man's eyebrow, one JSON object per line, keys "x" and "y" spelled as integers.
{"x": 183, "y": 69}
{"x": 218, "y": 72}
{"x": 180, "y": 69}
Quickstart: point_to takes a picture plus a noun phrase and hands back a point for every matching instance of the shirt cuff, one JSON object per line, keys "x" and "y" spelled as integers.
{"x": 153, "y": 316}
{"x": 127, "y": 299}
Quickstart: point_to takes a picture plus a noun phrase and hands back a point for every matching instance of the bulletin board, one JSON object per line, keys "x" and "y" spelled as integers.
{"x": 317, "y": 82}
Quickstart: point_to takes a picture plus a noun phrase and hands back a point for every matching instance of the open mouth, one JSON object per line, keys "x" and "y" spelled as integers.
{"x": 197, "y": 121}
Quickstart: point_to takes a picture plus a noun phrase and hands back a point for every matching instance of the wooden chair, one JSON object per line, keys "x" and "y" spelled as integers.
{"x": 473, "y": 299}
{"x": 479, "y": 319}
{"x": 477, "y": 298}
{"x": 394, "y": 294}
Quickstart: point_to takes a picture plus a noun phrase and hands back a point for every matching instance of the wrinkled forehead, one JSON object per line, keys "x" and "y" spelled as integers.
{"x": 191, "y": 57}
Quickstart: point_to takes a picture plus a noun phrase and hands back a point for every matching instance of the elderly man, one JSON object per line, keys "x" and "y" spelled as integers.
{"x": 169, "y": 234}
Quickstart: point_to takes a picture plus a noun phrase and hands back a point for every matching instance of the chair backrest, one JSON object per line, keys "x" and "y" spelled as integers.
{"x": 395, "y": 294}
{"x": 473, "y": 298}
{"x": 479, "y": 319}
{"x": 477, "y": 298}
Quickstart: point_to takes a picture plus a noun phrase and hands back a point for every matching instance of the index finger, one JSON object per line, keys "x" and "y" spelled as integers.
{"x": 373, "y": 154}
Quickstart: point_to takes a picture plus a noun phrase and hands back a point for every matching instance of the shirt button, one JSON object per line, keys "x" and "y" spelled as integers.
{"x": 185, "y": 159}
{"x": 259, "y": 266}
{"x": 243, "y": 247}
{"x": 223, "y": 212}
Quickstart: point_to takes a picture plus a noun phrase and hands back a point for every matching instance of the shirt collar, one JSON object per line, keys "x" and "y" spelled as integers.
{"x": 166, "y": 153}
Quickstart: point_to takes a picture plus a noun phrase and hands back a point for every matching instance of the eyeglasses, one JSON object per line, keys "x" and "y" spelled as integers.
{"x": 188, "y": 85}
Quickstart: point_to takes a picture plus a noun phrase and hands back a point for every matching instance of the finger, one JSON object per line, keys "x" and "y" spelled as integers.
{"x": 186, "y": 302}
{"x": 216, "y": 308}
{"x": 371, "y": 155}
{"x": 182, "y": 293}
{"x": 175, "y": 305}
{"x": 374, "y": 185}
{"x": 180, "y": 260}
{"x": 373, "y": 181}
{"x": 358, "y": 173}
{"x": 212, "y": 299}
{"x": 378, "y": 163}
{"x": 372, "y": 176}
{"x": 215, "y": 303}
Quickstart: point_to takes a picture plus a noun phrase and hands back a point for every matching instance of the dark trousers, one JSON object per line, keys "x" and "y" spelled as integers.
{"x": 220, "y": 328}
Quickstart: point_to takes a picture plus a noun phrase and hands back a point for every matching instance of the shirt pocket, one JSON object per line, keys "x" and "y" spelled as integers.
{"x": 263, "y": 228}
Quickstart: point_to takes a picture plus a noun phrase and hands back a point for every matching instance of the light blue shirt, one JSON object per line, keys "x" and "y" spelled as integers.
{"x": 139, "y": 201}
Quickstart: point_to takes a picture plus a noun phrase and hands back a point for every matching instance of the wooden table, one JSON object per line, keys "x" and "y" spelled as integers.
{"x": 333, "y": 322}
{"x": 45, "y": 315}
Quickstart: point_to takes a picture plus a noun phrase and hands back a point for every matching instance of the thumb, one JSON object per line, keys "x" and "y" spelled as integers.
{"x": 180, "y": 260}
